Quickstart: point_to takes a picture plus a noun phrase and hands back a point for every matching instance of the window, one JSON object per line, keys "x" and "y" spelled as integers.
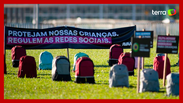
{"x": 29, "y": 10}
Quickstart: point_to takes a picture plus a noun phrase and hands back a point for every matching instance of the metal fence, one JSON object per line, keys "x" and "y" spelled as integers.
{"x": 158, "y": 27}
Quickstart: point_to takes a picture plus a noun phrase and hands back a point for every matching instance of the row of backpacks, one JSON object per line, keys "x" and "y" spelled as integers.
{"x": 117, "y": 56}
{"x": 149, "y": 81}
{"x": 60, "y": 65}
{"x": 84, "y": 70}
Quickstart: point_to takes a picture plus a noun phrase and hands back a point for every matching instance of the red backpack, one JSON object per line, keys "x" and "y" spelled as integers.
{"x": 27, "y": 66}
{"x": 16, "y": 53}
{"x": 158, "y": 65}
{"x": 125, "y": 59}
{"x": 114, "y": 53}
{"x": 84, "y": 70}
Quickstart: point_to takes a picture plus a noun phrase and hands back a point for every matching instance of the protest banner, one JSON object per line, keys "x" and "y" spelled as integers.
{"x": 68, "y": 37}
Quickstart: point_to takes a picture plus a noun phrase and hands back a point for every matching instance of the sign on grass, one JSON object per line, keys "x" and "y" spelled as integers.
{"x": 140, "y": 47}
{"x": 145, "y": 34}
{"x": 167, "y": 44}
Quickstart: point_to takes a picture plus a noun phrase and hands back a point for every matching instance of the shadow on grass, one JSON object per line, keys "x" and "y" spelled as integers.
{"x": 107, "y": 83}
{"x": 62, "y": 81}
{"x": 162, "y": 90}
{"x": 99, "y": 83}
{"x": 132, "y": 86}
{"x": 174, "y": 65}
{"x": 154, "y": 91}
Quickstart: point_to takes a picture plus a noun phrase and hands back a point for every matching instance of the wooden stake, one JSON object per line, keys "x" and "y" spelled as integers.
{"x": 68, "y": 53}
{"x": 138, "y": 69}
{"x": 164, "y": 69}
{"x": 138, "y": 75}
{"x": 142, "y": 57}
{"x": 142, "y": 63}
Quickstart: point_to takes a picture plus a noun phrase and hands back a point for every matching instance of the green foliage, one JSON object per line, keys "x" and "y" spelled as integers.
{"x": 44, "y": 88}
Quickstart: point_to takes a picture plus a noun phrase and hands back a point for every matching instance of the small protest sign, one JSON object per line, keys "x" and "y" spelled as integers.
{"x": 167, "y": 44}
{"x": 140, "y": 47}
{"x": 145, "y": 34}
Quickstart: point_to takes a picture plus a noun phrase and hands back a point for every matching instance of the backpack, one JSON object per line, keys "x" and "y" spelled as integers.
{"x": 114, "y": 53}
{"x": 76, "y": 56}
{"x": 27, "y": 66}
{"x": 158, "y": 65}
{"x": 61, "y": 69}
{"x": 118, "y": 76}
{"x": 17, "y": 52}
{"x": 149, "y": 81}
{"x": 172, "y": 87}
{"x": 45, "y": 61}
{"x": 125, "y": 59}
{"x": 84, "y": 70}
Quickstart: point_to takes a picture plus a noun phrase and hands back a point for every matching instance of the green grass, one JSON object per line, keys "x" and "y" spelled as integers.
{"x": 44, "y": 88}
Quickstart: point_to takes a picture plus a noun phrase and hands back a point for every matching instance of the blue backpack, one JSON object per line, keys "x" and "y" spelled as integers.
{"x": 45, "y": 61}
{"x": 78, "y": 55}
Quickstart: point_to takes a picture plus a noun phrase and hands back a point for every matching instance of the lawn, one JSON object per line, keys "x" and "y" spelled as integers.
{"x": 44, "y": 88}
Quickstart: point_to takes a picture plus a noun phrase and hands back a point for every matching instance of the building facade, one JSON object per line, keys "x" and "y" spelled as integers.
{"x": 25, "y": 13}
